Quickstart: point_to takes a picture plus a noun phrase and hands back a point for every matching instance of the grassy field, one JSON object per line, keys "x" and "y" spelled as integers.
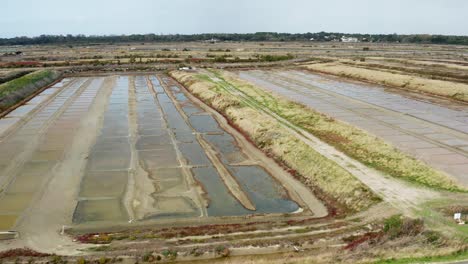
{"x": 454, "y": 257}
{"x": 18, "y": 89}
{"x": 268, "y": 134}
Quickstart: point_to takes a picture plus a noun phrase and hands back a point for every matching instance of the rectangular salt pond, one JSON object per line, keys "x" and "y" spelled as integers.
{"x": 151, "y": 136}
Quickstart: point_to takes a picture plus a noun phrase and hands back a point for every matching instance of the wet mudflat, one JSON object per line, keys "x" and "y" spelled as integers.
{"x": 268, "y": 197}
{"x": 151, "y": 161}
{"x": 435, "y": 132}
{"x": 38, "y": 145}
{"x": 106, "y": 175}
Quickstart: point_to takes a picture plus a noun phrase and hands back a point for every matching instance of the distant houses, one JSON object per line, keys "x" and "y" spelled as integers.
{"x": 334, "y": 38}
{"x": 212, "y": 41}
{"x": 349, "y": 39}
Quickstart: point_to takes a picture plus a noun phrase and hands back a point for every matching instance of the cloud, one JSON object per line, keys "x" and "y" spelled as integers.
{"x": 30, "y": 17}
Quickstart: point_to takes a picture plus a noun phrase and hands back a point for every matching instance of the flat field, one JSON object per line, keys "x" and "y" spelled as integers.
{"x": 191, "y": 151}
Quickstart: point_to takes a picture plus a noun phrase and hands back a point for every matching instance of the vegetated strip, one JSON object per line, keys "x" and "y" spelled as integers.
{"x": 14, "y": 75}
{"x": 452, "y": 90}
{"x": 326, "y": 178}
{"x": 21, "y": 88}
{"x": 355, "y": 142}
{"x": 453, "y": 257}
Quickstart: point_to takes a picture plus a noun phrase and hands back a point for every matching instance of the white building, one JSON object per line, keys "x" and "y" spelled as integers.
{"x": 349, "y": 39}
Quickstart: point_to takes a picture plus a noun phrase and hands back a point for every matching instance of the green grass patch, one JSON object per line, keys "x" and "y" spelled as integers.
{"x": 20, "y": 88}
{"x": 21, "y": 82}
{"x": 456, "y": 256}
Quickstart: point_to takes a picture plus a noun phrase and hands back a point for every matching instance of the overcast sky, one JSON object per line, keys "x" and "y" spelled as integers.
{"x": 36, "y": 17}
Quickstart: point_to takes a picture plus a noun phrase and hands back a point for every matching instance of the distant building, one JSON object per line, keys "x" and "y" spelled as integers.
{"x": 212, "y": 41}
{"x": 349, "y": 39}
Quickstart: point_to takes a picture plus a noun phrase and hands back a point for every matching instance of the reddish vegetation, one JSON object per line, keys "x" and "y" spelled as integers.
{"x": 361, "y": 239}
{"x": 21, "y": 252}
{"x": 22, "y": 64}
{"x": 94, "y": 238}
{"x": 195, "y": 60}
{"x": 208, "y": 230}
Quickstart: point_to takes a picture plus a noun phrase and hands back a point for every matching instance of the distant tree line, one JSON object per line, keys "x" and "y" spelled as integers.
{"x": 259, "y": 36}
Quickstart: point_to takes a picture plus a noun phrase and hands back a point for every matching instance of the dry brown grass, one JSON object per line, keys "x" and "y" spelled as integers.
{"x": 449, "y": 89}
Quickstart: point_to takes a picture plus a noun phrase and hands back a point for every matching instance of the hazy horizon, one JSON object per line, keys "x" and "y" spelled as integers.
{"x": 54, "y": 17}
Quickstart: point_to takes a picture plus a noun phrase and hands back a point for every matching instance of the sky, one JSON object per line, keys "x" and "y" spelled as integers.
{"x": 106, "y": 17}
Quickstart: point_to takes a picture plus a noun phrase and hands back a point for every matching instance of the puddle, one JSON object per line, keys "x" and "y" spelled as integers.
{"x": 181, "y": 97}
{"x": 15, "y": 202}
{"x": 194, "y": 154}
{"x": 160, "y": 158}
{"x": 227, "y": 147}
{"x": 7, "y": 222}
{"x": 205, "y": 124}
{"x": 111, "y": 144}
{"x": 153, "y": 142}
{"x": 174, "y": 207}
{"x": 221, "y": 202}
{"x": 99, "y": 210}
{"x": 268, "y": 198}
{"x": 26, "y": 183}
{"x": 190, "y": 109}
{"x": 151, "y": 131}
{"x": 267, "y": 194}
{"x": 185, "y": 137}
{"x": 21, "y": 111}
{"x": 109, "y": 160}
{"x": 104, "y": 184}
